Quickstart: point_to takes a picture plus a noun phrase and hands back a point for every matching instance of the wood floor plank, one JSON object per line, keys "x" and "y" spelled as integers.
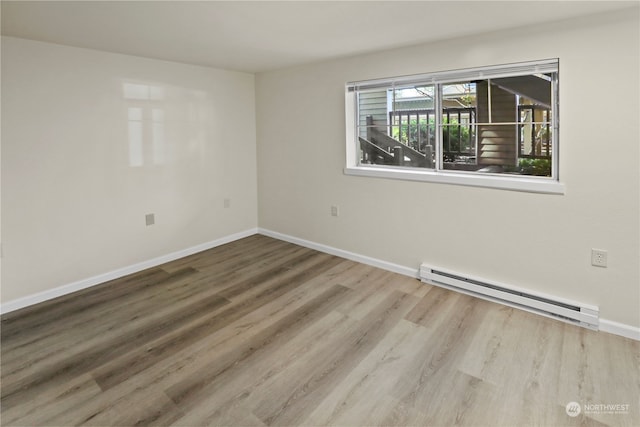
{"x": 215, "y": 407}
{"x": 135, "y": 291}
{"x": 265, "y": 375}
{"x": 585, "y": 356}
{"x": 432, "y": 307}
{"x": 42, "y": 315}
{"x": 137, "y": 305}
{"x": 43, "y": 408}
{"x": 277, "y": 334}
{"x": 435, "y": 362}
{"x": 197, "y": 358}
{"x": 18, "y": 386}
{"x": 365, "y": 389}
{"x": 261, "y": 332}
{"x": 305, "y": 393}
{"x": 228, "y": 254}
{"x": 137, "y": 361}
{"x": 147, "y": 407}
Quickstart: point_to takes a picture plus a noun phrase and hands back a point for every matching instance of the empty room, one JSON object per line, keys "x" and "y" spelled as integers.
{"x": 336, "y": 213}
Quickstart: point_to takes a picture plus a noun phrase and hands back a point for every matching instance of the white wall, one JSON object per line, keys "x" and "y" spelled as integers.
{"x": 75, "y": 183}
{"x": 535, "y": 241}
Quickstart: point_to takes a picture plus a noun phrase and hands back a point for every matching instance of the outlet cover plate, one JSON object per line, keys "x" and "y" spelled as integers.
{"x": 598, "y": 257}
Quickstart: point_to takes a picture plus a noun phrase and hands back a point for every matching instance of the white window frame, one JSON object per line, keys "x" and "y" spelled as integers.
{"x": 526, "y": 183}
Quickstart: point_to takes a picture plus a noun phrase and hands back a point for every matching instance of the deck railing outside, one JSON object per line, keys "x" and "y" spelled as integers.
{"x": 416, "y": 128}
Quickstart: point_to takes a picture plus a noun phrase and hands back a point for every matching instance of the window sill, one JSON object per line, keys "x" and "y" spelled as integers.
{"x": 501, "y": 182}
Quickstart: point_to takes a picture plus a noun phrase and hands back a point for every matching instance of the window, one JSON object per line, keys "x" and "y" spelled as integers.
{"x": 491, "y": 126}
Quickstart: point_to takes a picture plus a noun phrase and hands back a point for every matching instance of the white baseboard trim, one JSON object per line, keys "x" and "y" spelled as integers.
{"x": 396, "y": 268}
{"x": 105, "y": 277}
{"x": 621, "y": 329}
{"x": 608, "y": 326}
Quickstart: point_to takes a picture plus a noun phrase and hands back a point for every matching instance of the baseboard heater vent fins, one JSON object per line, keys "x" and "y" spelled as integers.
{"x": 545, "y": 305}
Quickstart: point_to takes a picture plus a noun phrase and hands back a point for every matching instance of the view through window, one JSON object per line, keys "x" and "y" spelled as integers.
{"x": 499, "y": 121}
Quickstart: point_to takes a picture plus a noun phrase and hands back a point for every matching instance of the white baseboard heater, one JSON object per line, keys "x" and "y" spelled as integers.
{"x": 545, "y": 305}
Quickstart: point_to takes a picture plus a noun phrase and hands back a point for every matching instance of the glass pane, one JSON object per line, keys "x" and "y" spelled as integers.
{"x": 535, "y": 130}
{"x": 372, "y": 110}
{"x": 412, "y": 98}
{"x": 501, "y": 125}
{"x": 396, "y": 126}
{"x": 379, "y": 147}
{"x": 458, "y": 126}
{"x": 412, "y": 123}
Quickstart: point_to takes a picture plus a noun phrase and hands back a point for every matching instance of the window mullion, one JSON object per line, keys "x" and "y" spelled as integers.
{"x": 437, "y": 107}
{"x": 555, "y": 110}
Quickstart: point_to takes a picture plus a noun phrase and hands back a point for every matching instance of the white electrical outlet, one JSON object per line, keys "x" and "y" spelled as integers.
{"x": 334, "y": 210}
{"x": 598, "y": 257}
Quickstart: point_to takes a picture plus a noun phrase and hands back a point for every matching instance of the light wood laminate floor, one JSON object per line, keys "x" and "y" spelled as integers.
{"x": 262, "y": 332}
